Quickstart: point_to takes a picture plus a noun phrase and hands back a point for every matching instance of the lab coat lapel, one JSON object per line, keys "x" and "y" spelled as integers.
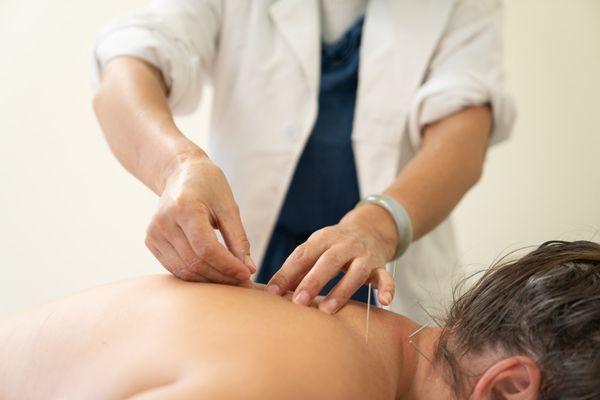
{"x": 299, "y": 22}
{"x": 398, "y": 41}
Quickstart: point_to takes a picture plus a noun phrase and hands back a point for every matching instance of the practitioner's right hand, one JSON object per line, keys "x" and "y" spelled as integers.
{"x": 197, "y": 199}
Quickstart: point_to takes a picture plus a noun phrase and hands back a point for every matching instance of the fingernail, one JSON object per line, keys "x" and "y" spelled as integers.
{"x": 242, "y": 276}
{"x": 250, "y": 263}
{"x": 329, "y": 306}
{"x": 273, "y": 289}
{"x": 386, "y": 298}
{"x": 302, "y": 298}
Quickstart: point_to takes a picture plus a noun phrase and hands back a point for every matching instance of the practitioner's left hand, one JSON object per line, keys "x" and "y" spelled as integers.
{"x": 360, "y": 245}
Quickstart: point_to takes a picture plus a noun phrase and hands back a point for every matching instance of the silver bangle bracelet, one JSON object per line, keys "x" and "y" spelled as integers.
{"x": 401, "y": 219}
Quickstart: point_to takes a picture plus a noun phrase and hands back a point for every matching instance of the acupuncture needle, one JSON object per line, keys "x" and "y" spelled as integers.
{"x": 369, "y": 302}
{"x": 368, "y": 313}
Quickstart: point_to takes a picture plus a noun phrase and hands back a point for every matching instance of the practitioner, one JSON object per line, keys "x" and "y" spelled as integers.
{"x": 317, "y": 104}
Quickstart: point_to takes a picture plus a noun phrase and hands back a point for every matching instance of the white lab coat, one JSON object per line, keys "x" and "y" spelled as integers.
{"x": 421, "y": 60}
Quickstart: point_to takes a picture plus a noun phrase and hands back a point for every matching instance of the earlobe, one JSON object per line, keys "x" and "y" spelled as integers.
{"x": 513, "y": 378}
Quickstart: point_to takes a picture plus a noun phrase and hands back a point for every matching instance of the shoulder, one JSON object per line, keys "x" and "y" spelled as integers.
{"x": 292, "y": 378}
{"x": 308, "y": 358}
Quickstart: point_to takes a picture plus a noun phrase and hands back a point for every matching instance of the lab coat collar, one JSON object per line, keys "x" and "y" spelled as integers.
{"x": 398, "y": 40}
{"x": 299, "y": 22}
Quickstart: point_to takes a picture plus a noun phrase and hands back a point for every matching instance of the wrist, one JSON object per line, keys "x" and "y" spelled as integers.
{"x": 183, "y": 153}
{"x": 379, "y": 223}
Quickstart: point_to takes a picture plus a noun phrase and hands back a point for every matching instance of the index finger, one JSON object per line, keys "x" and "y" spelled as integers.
{"x": 295, "y": 266}
{"x": 325, "y": 269}
{"x": 203, "y": 241}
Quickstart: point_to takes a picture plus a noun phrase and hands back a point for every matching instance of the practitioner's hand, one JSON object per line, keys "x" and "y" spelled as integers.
{"x": 360, "y": 245}
{"x": 197, "y": 199}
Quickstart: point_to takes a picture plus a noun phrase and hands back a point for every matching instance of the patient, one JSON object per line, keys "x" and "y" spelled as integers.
{"x": 528, "y": 329}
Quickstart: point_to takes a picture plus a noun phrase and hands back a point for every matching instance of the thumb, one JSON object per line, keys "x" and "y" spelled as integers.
{"x": 234, "y": 234}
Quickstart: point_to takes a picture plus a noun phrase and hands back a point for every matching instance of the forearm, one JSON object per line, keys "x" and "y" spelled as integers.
{"x": 448, "y": 164}
{"x": 133, "y": 112}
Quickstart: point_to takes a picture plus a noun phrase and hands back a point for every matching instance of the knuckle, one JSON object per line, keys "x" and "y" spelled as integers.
{"x": 350, "y": 240}
{"x": 281, "y": 279}
{"x": 194, "y": 263}
{"x": 343, "y": 294}
{"x": 319, "y": 235}
{"x": 197, "y": 241}
{"x": 334, "y": 257}
{"x": 212, "y": 169}
{"x": 360, "y": 246}
{"x": 349, "y": 244}
{"x": 186, "y": 275}
{"x": 193, "y": 213}
{"x": 175, "y": 263}
{"x": 299, "y": 253}
{"x": 152, "y": 234}
{"x": 362, "y": 271}
{"x": 354, "y": 240}
{"x": 181, "y": 208}
{"x": 244, "y": 244}
{"x": 312, "y": 283}
{"x": 368, "y": 254}
{"x": 159, "y": 222}
{"x": 202, "y": 209}
{"x": 230, "y": 208}
{"x": 203, "y": 251}
{"x": 197, "y": 210}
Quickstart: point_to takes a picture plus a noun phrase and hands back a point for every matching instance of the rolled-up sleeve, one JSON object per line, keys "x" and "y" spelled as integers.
{"x": 176, "y": 36}
{"x": 466, "y": 70}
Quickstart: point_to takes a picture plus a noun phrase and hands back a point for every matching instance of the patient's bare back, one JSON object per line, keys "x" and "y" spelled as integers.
{"x": 157, "y": 337}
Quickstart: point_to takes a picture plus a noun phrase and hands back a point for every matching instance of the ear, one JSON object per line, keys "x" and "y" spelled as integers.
{"x": 513, "y": 378}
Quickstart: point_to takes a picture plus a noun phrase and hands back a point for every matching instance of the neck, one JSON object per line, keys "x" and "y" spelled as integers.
{"x": 410, "y": 374}
{"x": 427, "y": 381}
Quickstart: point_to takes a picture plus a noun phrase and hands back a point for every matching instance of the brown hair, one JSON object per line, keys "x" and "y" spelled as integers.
{"x": 545, "y": 305}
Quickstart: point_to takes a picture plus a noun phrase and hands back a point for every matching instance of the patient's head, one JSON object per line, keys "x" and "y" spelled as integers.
{"x": 529, "y": 329}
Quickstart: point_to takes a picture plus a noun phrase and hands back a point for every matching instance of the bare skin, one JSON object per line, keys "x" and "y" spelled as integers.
{"x": 161, "y": 338}
{"x": 134, "y": 114}
{"x": 195, "y": 197}
{"x": 450, "y": 161}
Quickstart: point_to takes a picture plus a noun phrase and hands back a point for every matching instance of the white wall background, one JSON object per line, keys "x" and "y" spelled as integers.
{"x": 71, "y": 217}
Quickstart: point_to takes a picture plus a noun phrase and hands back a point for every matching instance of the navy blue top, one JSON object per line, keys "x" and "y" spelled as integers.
{"x": 324, "y": 186}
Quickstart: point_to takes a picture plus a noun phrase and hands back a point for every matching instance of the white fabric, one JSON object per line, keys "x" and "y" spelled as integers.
{"x": 338, "y": 15}
{"x": 420, "y": 61}
{"x": 460, "y": 76}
